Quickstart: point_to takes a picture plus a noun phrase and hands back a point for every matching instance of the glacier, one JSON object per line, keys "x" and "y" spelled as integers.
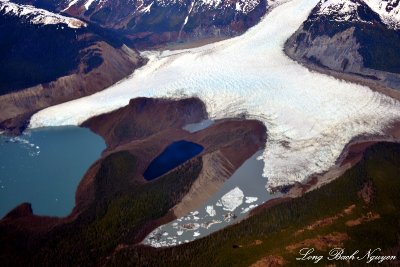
{"x": 310, "y": 117}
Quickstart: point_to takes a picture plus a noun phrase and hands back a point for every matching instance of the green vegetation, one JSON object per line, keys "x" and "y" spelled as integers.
{"x": 276, "y": 227}
{"x": 121, "y": 212}
{"x": 125, "y": 211}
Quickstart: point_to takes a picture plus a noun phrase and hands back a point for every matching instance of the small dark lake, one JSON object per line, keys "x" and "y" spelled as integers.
{"x": 174, "y": 155}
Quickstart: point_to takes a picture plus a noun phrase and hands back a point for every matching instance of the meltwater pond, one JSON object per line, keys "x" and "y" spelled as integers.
{"x": 44, "y": 167}
{"x": 174, "y": 155}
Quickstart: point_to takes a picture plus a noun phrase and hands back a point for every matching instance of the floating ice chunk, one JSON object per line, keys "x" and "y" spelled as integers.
{"x": 232, "y": 199}
{"x": 211, "y": 211}
{"x": 179, "y": 233}
{"x": 249, "y": 208}
{"x": 196, "y": 234}
{"x": 251, "y": 199}
{"x": 208, "y": 224}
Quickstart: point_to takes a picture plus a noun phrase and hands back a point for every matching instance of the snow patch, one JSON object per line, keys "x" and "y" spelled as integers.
{"x": 70, "y": 4}
{"x": 388, "y": 11}
{"x": 146, "y": 9}
{"x": 89, "y": 3}
{"x": 347, "y": 10}
{"x": 37, "y": 15}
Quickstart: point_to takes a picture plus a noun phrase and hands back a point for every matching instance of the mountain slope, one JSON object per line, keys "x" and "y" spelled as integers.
{"x": 356, "y": 37}
{"x": 358, "y": 211}
{"x": 46, "y": 58}
{"x": 150, "y": 22}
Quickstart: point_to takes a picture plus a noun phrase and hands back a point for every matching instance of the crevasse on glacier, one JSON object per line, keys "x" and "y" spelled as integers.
{"x": 310, "y": 117}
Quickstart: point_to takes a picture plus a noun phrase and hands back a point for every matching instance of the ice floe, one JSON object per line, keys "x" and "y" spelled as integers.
{"x": 245, "y": 210}
{"x": 233, "y": 199}
{"x": 250, "y": 200}
{"x": 210, "y": 210}
{"x": 197, "y": 224}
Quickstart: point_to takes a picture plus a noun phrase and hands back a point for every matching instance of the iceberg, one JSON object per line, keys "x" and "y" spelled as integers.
{"x": 211, "y": 211}
{"x": 233, "y": 199}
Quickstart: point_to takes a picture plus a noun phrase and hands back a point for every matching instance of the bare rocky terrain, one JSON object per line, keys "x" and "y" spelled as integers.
{"x": 151, "y": 23}
{"x": 361, "y": 48}
{"x": 60, "y": 62}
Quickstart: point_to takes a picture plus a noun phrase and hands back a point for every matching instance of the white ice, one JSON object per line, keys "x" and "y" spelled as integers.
{"x": 249, "y": 208}
{"x": 88, "y": 4}
{"x": 211, "y": 211}
{"x": 310, "y": 117}
{"x": 233, "y": 199}
{"x": 38, "y": 15}
{"x": 250, "y": 200}
{"x": 390, "y": 15}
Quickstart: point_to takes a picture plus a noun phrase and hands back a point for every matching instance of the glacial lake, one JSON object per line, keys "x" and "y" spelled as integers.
{"x": 241, "y": 193}
{"x": 173, "y": 155}
{"x": 44, "y": 167}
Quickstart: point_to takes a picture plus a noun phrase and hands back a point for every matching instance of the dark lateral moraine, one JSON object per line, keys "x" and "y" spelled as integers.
{"x": 174, "y": 155}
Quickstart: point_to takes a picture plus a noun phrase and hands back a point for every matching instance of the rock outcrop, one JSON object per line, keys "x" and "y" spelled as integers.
{"x": 149, "y": 23}
{"x": 350, "y": 37}
{"x": 47, "y": 59}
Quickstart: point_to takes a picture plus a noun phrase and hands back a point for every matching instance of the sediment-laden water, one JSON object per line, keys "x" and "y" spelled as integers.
{"x": 44, "y": 167}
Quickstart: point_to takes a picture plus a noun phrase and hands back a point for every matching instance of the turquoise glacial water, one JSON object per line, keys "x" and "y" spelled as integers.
{"x": 44, "y": 167}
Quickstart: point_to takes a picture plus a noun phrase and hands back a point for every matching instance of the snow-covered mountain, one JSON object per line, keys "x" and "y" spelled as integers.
{"x": 388, "y": 11}
{"x": 34, "y": 15}
{"x": 354, "y": 10}
{"x": 158, "y": 21}
{"x": 356, "y": 37}
{"x": 145, "y": 6}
